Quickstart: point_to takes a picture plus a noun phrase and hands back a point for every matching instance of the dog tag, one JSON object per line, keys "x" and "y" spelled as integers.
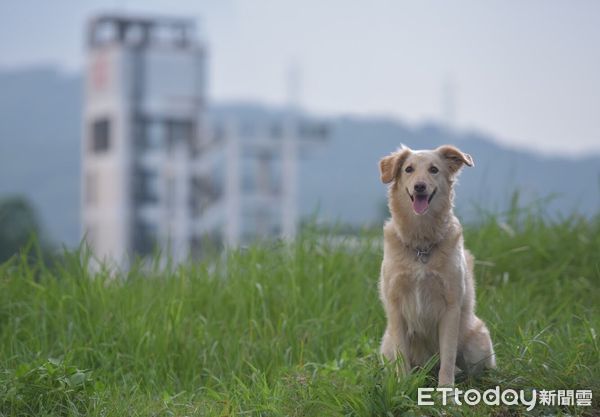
{"x": 423, "y": 256}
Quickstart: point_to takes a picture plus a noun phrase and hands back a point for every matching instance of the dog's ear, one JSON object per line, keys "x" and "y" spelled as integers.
{"x": 391, "y": 164}
{"x": 454, "y": 157}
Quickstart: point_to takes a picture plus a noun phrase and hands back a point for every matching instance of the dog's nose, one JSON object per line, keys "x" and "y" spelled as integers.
{"x": 420, "y": 187}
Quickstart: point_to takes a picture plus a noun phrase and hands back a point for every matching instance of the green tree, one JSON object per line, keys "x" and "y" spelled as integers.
{"x": 19, "y": 224}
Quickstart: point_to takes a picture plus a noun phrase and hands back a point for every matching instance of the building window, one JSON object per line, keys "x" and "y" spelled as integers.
{"x": 150, "y": 134}
{"x": 101, "y": 135}
{"x": 180, "y": 133}
{"x": 155, "y": 134}
{"x": 146, "y": 186}
{"x": 145, "y": 238}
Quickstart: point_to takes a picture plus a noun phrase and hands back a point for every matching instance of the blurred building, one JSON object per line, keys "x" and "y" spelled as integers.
{"x": 155, "y": 177}
{"x": 141, "y": 130}
{"x": 261, "y": 174}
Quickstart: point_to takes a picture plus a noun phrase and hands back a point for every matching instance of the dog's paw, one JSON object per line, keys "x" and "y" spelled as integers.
{"x": 446, "y": 379}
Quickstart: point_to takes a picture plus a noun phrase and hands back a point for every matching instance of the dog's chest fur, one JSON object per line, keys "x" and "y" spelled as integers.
{"x": 421, "y": 298}
{"x": 418, "y": 289}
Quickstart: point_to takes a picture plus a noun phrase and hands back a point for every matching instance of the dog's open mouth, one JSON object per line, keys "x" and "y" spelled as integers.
{"x": 420, "y": 201}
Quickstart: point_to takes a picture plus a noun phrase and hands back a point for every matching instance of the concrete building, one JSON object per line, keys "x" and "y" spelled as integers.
{"x": 142, "y": 140}
{"x": 155, "y": 176}
{"x": 261, "y": 174}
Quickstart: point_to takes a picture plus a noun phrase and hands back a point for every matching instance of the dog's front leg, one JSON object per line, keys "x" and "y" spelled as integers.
{"x": 394, "y": 341}
{"x": 448, "y": 336}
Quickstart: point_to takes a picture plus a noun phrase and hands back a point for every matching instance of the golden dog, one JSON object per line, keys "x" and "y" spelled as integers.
{"x": 426, "y": 283}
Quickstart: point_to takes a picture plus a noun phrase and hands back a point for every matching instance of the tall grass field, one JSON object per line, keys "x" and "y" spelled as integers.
{"x": 290, "y": 329}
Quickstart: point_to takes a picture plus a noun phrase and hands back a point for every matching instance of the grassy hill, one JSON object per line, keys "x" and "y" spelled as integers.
{"x": 294, "y": 329}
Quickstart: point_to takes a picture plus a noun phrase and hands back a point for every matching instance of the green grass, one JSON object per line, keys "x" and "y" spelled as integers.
{"x": 288, "y": 330}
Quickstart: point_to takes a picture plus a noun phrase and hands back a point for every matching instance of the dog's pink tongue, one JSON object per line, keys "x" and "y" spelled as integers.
{"x": 420, "y": 205}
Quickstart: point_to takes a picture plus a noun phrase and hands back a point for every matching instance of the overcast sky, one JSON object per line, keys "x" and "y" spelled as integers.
{"x": 527, "y": 72}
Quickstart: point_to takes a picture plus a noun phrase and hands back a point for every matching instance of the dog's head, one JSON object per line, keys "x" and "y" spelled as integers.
{"x": 422, "y": 180}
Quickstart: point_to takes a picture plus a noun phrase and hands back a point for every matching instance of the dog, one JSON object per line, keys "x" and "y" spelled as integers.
{"x": 426, "y": 283}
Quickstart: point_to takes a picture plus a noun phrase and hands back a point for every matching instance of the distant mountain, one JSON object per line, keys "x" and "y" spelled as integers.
{"x": 40, "y": 125}
{"x": 341, "y": 177}
{"x": 40, "y": 119}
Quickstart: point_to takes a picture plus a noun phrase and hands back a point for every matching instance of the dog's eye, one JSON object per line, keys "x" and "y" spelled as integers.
{"x": 409, "y": 169}
{"x": 433, "y": 170}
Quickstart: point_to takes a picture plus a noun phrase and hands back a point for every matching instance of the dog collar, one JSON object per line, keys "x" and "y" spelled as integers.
{"x": 423, "y": 254}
